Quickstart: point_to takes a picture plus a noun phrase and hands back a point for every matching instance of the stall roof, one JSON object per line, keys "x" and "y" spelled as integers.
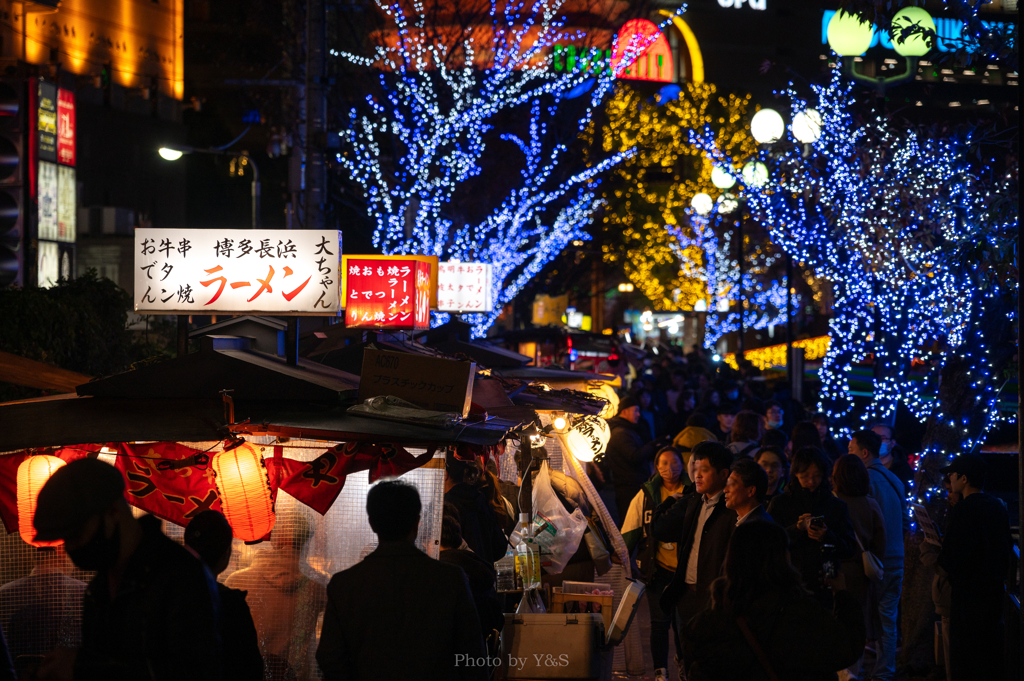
{"x": 454, "y": 338}
{"x": 227, "y": 363}
{"x": 73, "y": 420}
{"x": 545, "y": 375}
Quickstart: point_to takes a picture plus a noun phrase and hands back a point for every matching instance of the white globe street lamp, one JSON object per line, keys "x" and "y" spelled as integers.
{"x": 722, "y": 178}
{"x": 702, "y": 203}
{"x": 807, "y": 126}
{"x": 755, "y": 174}
{"x": 849, "y": 35}
{"x": 767, "y": 126}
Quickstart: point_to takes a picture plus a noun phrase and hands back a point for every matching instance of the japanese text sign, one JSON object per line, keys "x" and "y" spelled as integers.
{"x": 429, "y": 382}
{"x": 244, "y": 271}
{"x": 66, "y": 127}
{"x": 464, "y": 287}
{"x": 392, "y": 293}
{"x": 46, "y": 114}
{"x": 431, "y": 260}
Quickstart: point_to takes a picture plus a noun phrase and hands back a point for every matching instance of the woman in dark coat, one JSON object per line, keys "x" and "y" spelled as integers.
{"x": 813, "y": 518}
{"x": 763, "y": 625}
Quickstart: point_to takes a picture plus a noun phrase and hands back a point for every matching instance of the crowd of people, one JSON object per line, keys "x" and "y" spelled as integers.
{"x": 769, "y": 548}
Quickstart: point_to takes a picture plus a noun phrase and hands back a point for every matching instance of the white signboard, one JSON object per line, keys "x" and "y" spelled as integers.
{"x": 48, "y": 263}
{"x": 67, "y": 206}
{"x": 48, "y": 201}
{"x": 464, "y": 287}
{"x": 238, "y": 271}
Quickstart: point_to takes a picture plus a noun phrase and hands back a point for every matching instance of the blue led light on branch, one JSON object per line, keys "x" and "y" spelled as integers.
{"x": 425, "y": 134}
{"x": 881, "y": 211}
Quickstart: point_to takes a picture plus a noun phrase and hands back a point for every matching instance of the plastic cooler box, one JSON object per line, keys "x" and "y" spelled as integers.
{"x": 552, "y": 646}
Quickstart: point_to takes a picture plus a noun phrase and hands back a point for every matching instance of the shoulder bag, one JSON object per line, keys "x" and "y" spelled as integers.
{"x": 872, "y": 565}
{"x": 758, "y": 651}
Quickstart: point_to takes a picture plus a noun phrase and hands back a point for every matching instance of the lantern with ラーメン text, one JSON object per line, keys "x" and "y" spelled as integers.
{"x": 33, "y": 473}
{"x": 244, "y": 488}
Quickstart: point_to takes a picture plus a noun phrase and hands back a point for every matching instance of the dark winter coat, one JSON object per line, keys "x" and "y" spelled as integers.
{"x": 161, "y": 625}
{"x": 806, "y": 553}
{"x": 242, "y": 658}
{"x": 481, "y": 578}
{"x": 676, "y": 521}
{"x": 636, "y": 529}
{"x": 480, "y": 526}
{"x": 801, "y": 639}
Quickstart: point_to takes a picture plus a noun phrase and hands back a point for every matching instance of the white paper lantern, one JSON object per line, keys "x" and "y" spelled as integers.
{"x": 605, "y": 391}
{"x": 767, "y": 126}
{"x": 588, "y": 437}
{"x": 807, "y": 126}
{"x": 702, "y": 203}
{"x": 722, "y": 178}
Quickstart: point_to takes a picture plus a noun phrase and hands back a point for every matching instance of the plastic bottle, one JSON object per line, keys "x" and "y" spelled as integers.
{"x": 527, "y": 558}
{"x": 506, "y": 569}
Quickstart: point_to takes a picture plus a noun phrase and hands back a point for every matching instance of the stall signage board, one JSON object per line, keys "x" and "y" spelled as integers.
{"x": 46, "y": 115}
{"x": 238, "y": 271}
{"x": 66, "y": 127}
{"x": 429, "y": 382}
{"x": 464, "y": 287}
{"x": 387, "y": 293}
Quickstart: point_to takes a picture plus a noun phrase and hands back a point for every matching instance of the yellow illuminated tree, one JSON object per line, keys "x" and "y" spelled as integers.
{"x": 651, "y": 189}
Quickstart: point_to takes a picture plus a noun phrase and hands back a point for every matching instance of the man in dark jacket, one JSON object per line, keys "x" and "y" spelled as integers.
{"x": 480, "y": 526}
{"x": 478, "y": 571}
{"x": 700, "y": 525}
{"x": 209, "y": 535}
{"x": 628, "y": 458}
{"x": 975, "y": 554}
{"x": 149, "y": 611}
{"x": 745, "y": 491}
{"x": 400, "y": 614}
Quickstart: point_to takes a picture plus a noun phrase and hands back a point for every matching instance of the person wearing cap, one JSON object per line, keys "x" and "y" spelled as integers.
{"x": 629, "y": 461}
{"x": 149, "y": 613}
{"x": 975, "y": 555}
{"x": 209, "y": 535}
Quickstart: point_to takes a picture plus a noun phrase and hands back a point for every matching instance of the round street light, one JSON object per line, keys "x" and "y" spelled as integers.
{"x": 919, "y": 43}
{"x": 755, "y": 174}
{"x": 169, "y": 154}
{"x": 807, "y": 126}
{"x": 849, "y": 35}
{"x": 767, "y": 126}
{"x": 727, "y": 203}
{"x": 702, "y": 203}
{"x": 722, "y": 178}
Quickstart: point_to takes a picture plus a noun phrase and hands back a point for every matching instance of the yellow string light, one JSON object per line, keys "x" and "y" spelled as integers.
{"x": 653, "y": 188}
{"x": 774, "y": 356}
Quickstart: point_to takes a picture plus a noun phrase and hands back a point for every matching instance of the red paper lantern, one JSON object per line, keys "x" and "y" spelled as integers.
{"x": 33, "y": 473}
{"x": 244, "y": 488}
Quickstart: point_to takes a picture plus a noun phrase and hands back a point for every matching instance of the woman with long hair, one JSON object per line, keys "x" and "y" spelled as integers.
{"x": 747, "y": 431}
{"x": 656, "y": 560}
{"x": 818, "y": 524}
{"x": 776, "y": 465}
{"x": 762, "y": 624}
{"x": 805, "y": 434}
{"x": 852, "y": 485}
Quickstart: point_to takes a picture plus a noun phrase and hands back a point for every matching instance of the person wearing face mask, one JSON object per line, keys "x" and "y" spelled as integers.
{"x": 149, "y": 613}
{"x": 657, "y": 560}
{"x": 774, "y": 417}
{"x": 813, "y": 518}
{"x": 892, "y": 455}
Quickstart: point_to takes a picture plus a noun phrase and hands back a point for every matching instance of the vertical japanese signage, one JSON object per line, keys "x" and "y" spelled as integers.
{"x": 46, "y": 115}
{"x": 387, "y": 293}
{"x": 464, "y": 287}
{"x": 66, "y": 127}
{"x": 205, "y": 271}
{"x": 57, "y": 204}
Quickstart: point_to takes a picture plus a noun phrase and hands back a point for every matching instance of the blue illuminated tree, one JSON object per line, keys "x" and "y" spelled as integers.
{"x": 882, "y": 211}
{"x": 763, "y": 298}
{"x": 439, "y": 107}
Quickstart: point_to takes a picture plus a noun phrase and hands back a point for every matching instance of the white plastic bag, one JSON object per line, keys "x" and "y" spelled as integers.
{"x": 557, "y": 531}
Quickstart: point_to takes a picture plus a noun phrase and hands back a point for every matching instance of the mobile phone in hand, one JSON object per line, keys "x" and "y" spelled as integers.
{"x": 818, "y": 521}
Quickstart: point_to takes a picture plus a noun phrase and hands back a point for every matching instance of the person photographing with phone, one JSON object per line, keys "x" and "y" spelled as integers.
{"x": 818, "y": 524}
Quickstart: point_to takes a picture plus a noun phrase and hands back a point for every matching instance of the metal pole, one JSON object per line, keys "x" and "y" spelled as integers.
{"x": 291, "y": 342}
{"x": 255, "y": 194}
{"x": 182, "y": 335}
{"x": 739, "y": 286}
{"x": 789, "y": 317}
{"x": 316, "y": 115}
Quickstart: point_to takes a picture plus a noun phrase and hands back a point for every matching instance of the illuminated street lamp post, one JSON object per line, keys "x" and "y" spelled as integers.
{"x": 175, "y": 152}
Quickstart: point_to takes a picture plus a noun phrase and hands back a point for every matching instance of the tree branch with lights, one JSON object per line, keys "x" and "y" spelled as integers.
{"x": 416, "y": 144}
